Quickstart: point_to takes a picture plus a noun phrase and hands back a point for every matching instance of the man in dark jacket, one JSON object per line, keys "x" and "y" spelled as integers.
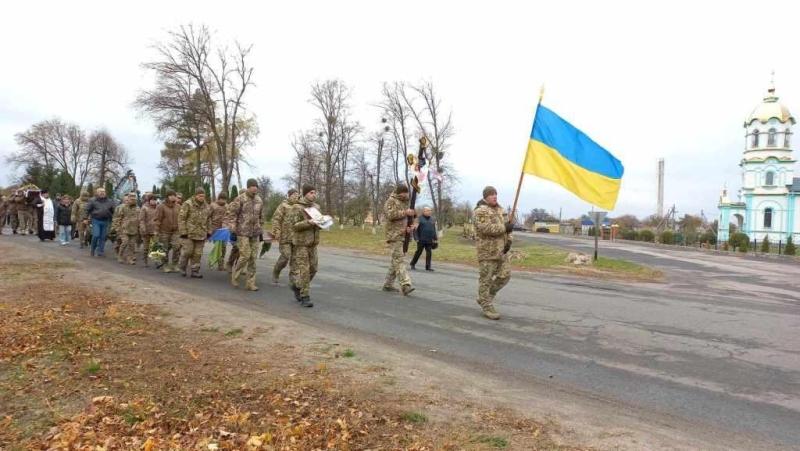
{"x": 64, "y": 219}
{"x": 99, "y": 211}
{"x": 425, "y": 234}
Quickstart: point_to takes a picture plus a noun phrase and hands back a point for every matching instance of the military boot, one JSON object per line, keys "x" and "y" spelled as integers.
{"x": 490, "y": 312}
{"x": 390, "y": 288}
{"x": 251, "y": 286}
{"x": 196, "y": 274}
{"x": 296, "y": 291}
{"x": 406, "y": 289}
{"x": 305, "y": 301}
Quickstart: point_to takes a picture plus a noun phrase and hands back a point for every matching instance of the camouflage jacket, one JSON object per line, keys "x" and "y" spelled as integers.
{"x": 490, "y": 230}
{"x": 12, "y": 204}
{"x": 394, "y": 210}
{"x": 217, "y": 215}
{"x": 147, "y": 220}
{"x": 78, "y": 212}
{"x": 128, "y": 219}
{"x": 305, "y": 233}
{"x": 115, "y": 220}
{"x": 243, "y": 216}
{"x": 194, "y": 220}
{"x": 282, "y": 230}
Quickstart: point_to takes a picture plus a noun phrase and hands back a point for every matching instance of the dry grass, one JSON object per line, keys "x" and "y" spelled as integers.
{"x": 83, "y": 369}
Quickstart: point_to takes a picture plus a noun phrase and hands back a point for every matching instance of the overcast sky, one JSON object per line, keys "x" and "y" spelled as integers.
{"x": 673, "y": 81}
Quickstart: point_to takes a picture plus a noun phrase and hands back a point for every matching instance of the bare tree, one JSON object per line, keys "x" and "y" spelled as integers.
{"x": 306, "y": 163}
{"x": 57, "y": 145}
{"x": 331, "y": 98}
{"x": 201, "y": 88}
{"x": 110, "y": 159}
{"x": 437, "y": 126}
{"x": 396, "y": 109}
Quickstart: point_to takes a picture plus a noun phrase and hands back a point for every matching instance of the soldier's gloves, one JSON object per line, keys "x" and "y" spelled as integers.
{"x": 509, "y": 227}
{"x": 260, "y": 237}
{"x": 208, "y": 235}
{"x": 233, "y": 237}
{"x": 184, "y": 237}
{"x": 507, "y": 247}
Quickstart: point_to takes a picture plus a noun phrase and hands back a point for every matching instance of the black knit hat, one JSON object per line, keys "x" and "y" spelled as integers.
{"x": 307, "y": 189}
{"x": 488, "y": 191}
{"x": 252, "y": 182}
{"x": 400, "y": 189}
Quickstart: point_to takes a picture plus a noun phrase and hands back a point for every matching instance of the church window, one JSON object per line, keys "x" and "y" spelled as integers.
{"x": 786, "y": 138}
{"x": 770, "y": 179}
{"x": 755, "y": 138}
{"x": 771, "y": 138}
{"x": 768, "y": 218}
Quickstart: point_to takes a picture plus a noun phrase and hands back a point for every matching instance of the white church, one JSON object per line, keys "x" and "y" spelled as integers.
{"x": 768, "y": 198}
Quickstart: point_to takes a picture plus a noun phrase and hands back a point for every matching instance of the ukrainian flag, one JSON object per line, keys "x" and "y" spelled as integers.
{"x": 559, "y": 152}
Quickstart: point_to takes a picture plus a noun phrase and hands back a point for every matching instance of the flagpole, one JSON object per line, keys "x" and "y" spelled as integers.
{"x": 512, "y": 218}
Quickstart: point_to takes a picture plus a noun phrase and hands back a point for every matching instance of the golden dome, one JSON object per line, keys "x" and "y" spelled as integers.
{"x": 770, "y": 108}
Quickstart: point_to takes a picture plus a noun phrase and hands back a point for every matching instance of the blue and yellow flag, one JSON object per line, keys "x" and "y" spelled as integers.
{"x": 563, "y": 154}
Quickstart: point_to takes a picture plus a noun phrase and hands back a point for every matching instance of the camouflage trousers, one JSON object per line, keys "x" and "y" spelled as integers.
{"x": 81, "y": 227}
{"x": 171, "y": 242}
{"x": 397, "y": 266}
{"x": 25, "y": 222}
{"x": 221, "y": 263}
{"x": 285, "y": 250}
{"x": 127, "y": 248}
{"x": 191, "y": 252}
{"x": 14, "y": 218}
{"x": 147, "y": 240}
{"x": 234, "y": 255}
{"x": 494, "y": 275}
{"x": 303, "y": 267}
{"x": 246, "y": 263}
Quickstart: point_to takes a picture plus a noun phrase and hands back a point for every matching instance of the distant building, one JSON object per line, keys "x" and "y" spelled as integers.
{"x": 769, "y": 196}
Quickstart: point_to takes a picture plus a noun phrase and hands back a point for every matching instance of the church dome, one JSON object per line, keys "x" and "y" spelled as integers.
{"x": 770, "y": 108}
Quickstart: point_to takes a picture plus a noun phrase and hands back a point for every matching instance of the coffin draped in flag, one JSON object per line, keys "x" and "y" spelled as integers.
{"x": 559, "y": 152}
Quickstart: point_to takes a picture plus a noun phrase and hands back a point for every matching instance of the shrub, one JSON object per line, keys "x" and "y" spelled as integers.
{"x": 667, "y": 237}
{"x": 647, "y": 236}
{"x": 765, "y": 245}
{"x": 739, "y": 241}
{"x": 629, "y": 234}
{"x": 708, "y": 237}
{"x": 790, "y": 249}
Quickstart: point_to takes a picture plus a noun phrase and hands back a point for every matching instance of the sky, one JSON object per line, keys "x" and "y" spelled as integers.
{"x": 646, "y": 80}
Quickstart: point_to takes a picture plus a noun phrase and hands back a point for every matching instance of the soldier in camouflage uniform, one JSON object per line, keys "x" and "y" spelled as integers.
{"x": 303, "y": 261}
{"x": 24, "y": 214}
{"x": 12, "y": 213}
{"x": 282, "y": 232}
{"x": 217, "y": 219}
{"x": 167, "y": 228}
{"x": 493, "y": 231}
{"x": 194, "y": 227}
{"x": 127, "y": 229}
{"x": 147, "y": 225}
{"x": 78, "y": 216}
{"x": 397, "y": 213}
{"x": 115, "y": 229}
{"x": 3, "y": 212}
{"x": 244, "y": 219}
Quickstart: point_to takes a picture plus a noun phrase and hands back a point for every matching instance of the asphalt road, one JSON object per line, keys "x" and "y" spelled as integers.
{"x": 716, "y": 345}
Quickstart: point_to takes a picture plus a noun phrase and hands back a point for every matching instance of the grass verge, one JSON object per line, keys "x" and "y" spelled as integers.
{"x": 526, "y": 256}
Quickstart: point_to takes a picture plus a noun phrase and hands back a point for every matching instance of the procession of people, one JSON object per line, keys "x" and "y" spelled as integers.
{"x": 178, "y": 231}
